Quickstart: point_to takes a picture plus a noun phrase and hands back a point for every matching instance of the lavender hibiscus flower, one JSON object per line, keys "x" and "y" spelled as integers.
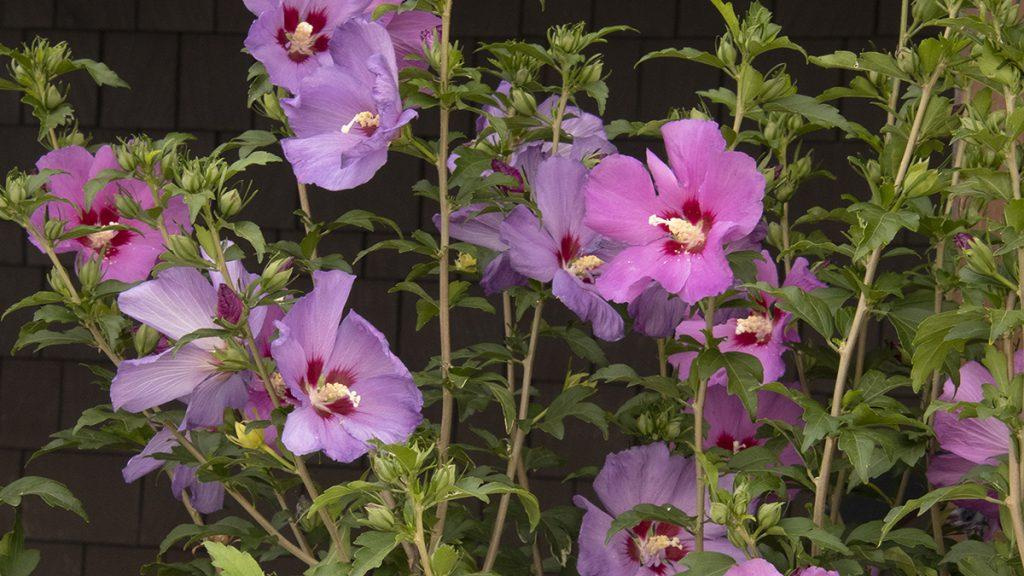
{"x": 291, "y": 37}
{"x": 559, "y": 248}
{"x": 408, "y": 30}
{"x": 970, "y": 442}
{"x": 178, "y": 302}
{"x": 128, "y": 254}
{"x": 656, "y": 313}
{"x": 206, "y": 497}
{"x": 474, "y": 226}
{"x": 643, "y": 475}
{"x": 345, "y": 116}
{"x": 706, "y": 198}
{"x": 350, "y": 388}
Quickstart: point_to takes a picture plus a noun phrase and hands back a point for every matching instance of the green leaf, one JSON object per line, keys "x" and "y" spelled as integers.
{"x": 444, "y": 560}
{"x": 939, "y": 335}
{"x": 55, "y": 494}
{"x": 506, "y": 401}
{"x": 257, "y": 158}
{"x": 251, "y": 233}
{"x": 667, "y": 513}
{"x": 15, "y": 560}
{"x": 690, "y": 54}
{"x": 232, "y": 561}
{"x": 707, "y": 563}
{"x": 339, "y": 492}
{"x": 800, "y": 527}
{"x": 374, "y": 547}
{"x": 924, "y": 503}
{"x": 101, "y": 74}
{"x": 811, "y": 109}
{"x": 859, "y": 447}
{"x": 807, "y": 308}
{"x": 729, "y": 15}
{"x": 878, "y": 227}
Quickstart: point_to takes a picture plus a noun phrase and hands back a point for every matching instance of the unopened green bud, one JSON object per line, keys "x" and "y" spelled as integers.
{"x": 697, "y": 114}
{"x": 387, "y": 468}
{"x": 229, "y": 203}
{"x": 127, "y": 206}
{"x": 183, "y": 247}
{"x": 90, "y": 273}
{"x": 523, "y": 102}
{"x": 592, "y": 73}
{"x": 52, "y": 98}
{"x": 145, "y": 340}
{"x": 379, "y": 517}
{"x": 726, "y": 52}
{"x": 768, "y": 515}
{"x": 719, "y": 513}
{"x": 907, "y": 61}
{"x": 53, "y": 229}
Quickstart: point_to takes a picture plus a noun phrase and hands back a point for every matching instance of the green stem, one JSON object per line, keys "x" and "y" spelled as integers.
{"x": 421, "y": 544}
{"x": 698, "y": 432}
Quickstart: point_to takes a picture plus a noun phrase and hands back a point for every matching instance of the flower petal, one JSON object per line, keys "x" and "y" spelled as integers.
{"x": 154, "y": 380}
{"x": 178, "y": 302}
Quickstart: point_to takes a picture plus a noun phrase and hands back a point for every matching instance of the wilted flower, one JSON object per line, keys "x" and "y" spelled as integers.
{"x": 291, "y": 37}
{"x": 206, "y": 497}
{"x": 559, "y": 248}
{"x": 349, "y": 387}
{"x": 127, "y": 254}
{"x": 345, "y": 116}
{"x": 644, "y": 475}
{"x": 706, "y": 197}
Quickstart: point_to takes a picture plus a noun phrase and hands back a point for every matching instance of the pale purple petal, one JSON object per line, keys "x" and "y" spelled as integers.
{"x": 584, "y": 300}
{"x": 209, "y": 400}
{"x": 754, "y": 567}
{"x": 313, "y": 320}
{"x": 533, "y": 252}
{"x": 389, "y": 409}
{"x": 143, "y": 463}
{"x": 178, "y": 302}
{"x": 656, "y": 313}
{"x": 557, "y": 189}
{"x": 595, "y": 557}
{"x": 154, "y": 380}
{"x": 500, "y": 275}
{"x": 362, "y": 352}
{"x": 646, "y": 474}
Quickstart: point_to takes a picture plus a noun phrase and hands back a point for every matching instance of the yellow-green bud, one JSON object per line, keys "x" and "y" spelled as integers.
{"x": 768, "y": 515}
{"x": 229, "y": 203}
{"x": 145, "y": 340}
{"x": 719, "y": 513}
{"x": 251, "y": 440}
{"x": 379, "y": 517}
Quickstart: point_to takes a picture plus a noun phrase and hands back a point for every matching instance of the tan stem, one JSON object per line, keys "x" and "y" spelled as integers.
{"x": 537, "y": 560}
{"x": 662, "y": 358}
{"x": 444, "y": 310}
{"x": 698, "y": 434}
{"x": 296, "y": 531}
{"x": 556, "y": 126}
{"x": 186, "y": 501}
{"x": 1013, "y": 500}
{"x": 421, "y": 543}
{"x": 408, "y": 547}
{"x": 518, "y": 436}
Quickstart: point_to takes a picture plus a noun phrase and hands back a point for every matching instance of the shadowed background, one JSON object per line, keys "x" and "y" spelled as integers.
{"x": 183, "y": 60}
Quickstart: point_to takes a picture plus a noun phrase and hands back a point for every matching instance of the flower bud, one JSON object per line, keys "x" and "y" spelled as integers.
{"x": 523, "y": 102}
{"x": 229, "y": 203}
{"x": 719, "y": 513}
{"x": 145, "y": 340}
{"x": 90, "y": 273}
{"x": 251, "y": 440}
{"x": 379, "y": 517}
{"x": 726, "y": 52}
{"x": 592, "y": 73}
{"x": 768, "y": 515}
{"x": 465, "y": 263}
{"x": 183, "y": 247}
{"x": 53, "y": 229}
{"x": 128, "y": 207}
{"x": 52, "y": 98}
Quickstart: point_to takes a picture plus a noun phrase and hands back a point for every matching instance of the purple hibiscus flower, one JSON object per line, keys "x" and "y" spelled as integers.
{"x": 706, "y": 197}
{"x": 127, "y": 255}
{"x": 206, "y": 497}
{"x": 969, "y": 442}
{"x": 291, "y": 37}
{"x": 474, "y": 226}
{"x": 178, "y": 302}
{"x": 730, "y": 426}
{"x": 644, "y": 475}
{"x": 409, "y": 30}
{"x": 559, "y": 248}
{"x": 761, "y": 334}
{"x": 761, "y": 567}
{"x": 345, "y": 116}
{"x": 349, "y": 387}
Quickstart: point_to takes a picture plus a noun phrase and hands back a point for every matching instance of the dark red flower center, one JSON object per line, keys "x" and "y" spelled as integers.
{"x": 107, "y": 242}
{"x": 303, "y": 36}
{"x": 656, "y": 545}
{"x": 688, "y": 228}
{"x": 330, "y": 393}
{"x": 727, "y": 442}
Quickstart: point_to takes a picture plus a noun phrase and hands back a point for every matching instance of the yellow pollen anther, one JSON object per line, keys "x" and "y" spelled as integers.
{"x": 330, "y": 392}
{"x": 757, "y": 324}
{"x": 584, "y": 265}
{"x": 301, "y": 41}
{"x": 653, "y": 546}
{"x": 365, "y": 120}
{"x": 102, "y": 238}
{"x": 738, "y": 446}
{"x": 683, "y": 231}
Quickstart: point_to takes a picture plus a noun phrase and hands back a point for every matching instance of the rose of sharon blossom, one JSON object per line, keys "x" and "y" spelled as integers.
{"x": 127, "y": 255}
{"x": 761, "y": 567}
{"x": 559, "y": 248}
{"x": 345, "y": 116}
{"x": 408, "y": 30}
{"x": 206, "y": 497}
{"x": 349, "y": 387}
{"x": 291, "y": 37}
{"x": 969, "y": 442}
{"x": 760, "y": 334}
{"x": 471, "y": 224}
{"x": 706, "y": 197}
{"x": 178, "y": 302}
{"x": 730, "y": 426}
{"x": 643, "y": 475}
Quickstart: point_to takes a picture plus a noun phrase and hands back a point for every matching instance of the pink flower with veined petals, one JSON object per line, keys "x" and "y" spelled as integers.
{"x": 349, "y": 387}
{"x": 644, "y": 475}
{"x": 127, "y": 255}
{"x": 706, "y": 197}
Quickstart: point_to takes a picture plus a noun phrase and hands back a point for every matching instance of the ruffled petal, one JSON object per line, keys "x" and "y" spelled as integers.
{"x": 178, "y": 302}
{"x": 362, "y": 352}
{"x": 389, "y": 409}
{"x": 620, "y": 200}
{"x": 154, "y": 380}
{"x": 533, "y": 252}
{"x": 588, "y": 305}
